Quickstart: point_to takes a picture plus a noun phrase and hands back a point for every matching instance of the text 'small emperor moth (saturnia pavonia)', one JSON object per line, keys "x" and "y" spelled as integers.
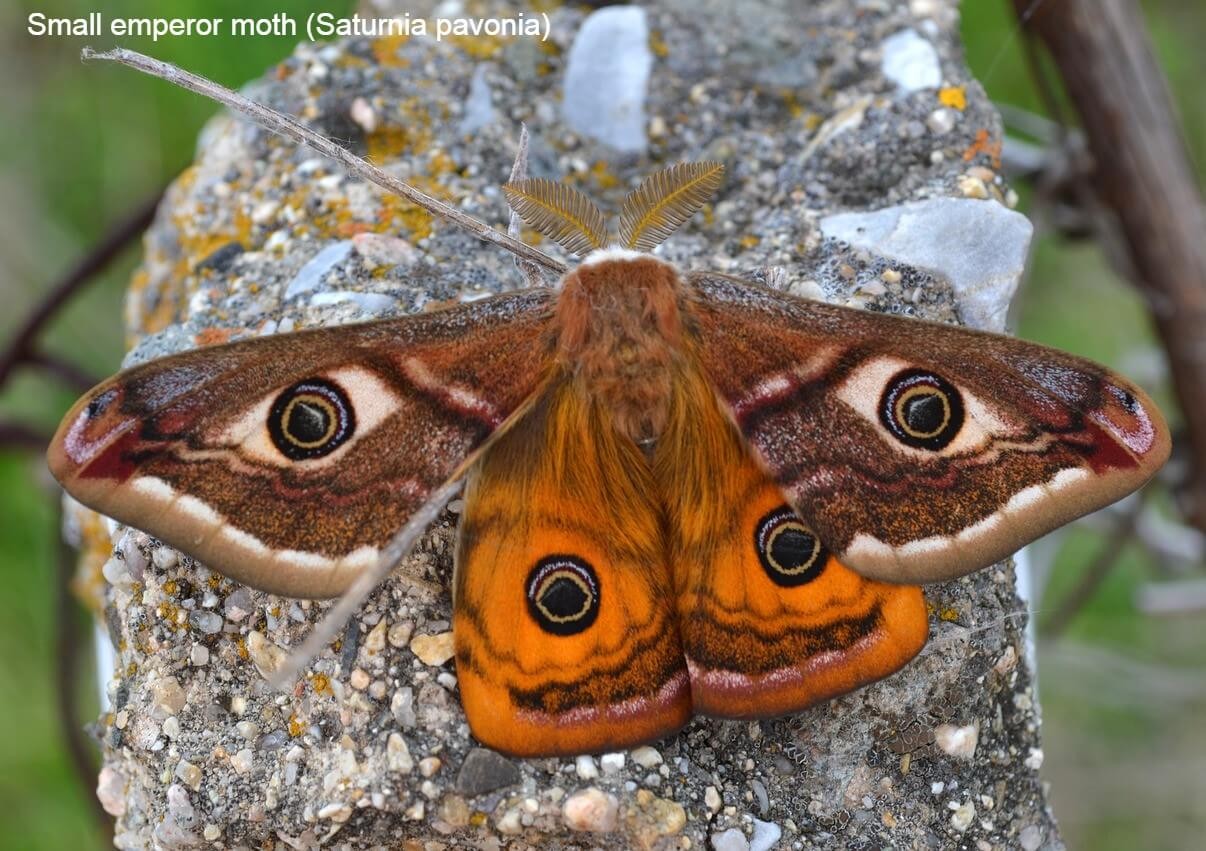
{"x": 685, "y": 493}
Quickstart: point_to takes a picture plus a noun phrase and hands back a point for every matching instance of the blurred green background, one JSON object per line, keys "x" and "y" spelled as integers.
{"x": 80, "y": 146}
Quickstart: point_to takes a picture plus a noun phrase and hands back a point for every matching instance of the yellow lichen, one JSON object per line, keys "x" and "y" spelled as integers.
{"x": 480, "y": 46}
{"x": 658, "y": 45}
{"x": 386, "y": 51}
{"x": 953, "y": 96}
{"x": 749, "y": 241}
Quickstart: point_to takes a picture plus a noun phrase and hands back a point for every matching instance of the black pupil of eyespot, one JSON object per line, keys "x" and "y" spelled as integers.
{"x": 792, "y": 547}
{"x": 562, "y": 593}
{"x": 564, "y": 598}
{"x": 311, "y": 419}
{"x": 924, "y": 413}
{"x": 308, "y": 421}
{"x": 790, "y": 554}
{"x": 921, "y": 409}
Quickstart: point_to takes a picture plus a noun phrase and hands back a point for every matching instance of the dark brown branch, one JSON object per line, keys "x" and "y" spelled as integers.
{"x": 20, "y": 349}
{"x": 21, "y": 436}
{"x": 1144, "y": 177}
{"x": 70, "y": 645}
{"x": 64, "y": 370}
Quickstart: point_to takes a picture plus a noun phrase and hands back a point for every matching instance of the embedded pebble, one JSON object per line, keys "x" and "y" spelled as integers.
{"x": 133, "y": 555}
{"x": 165, "y": 558}
{"x": 207, "y": 623}
{"x": 199, "y": 655}
{"x": 238, "y": 605}
{"x": 1030, "y": 838}
{"x": 362, "y": 112}
{"x": 189, "y": 774}
{"x": 585, "y": 767}
{"x": 479, "y": 106}
{"x": 910, "y": 62}
{"x": 731, "y": 840}
{"x": 397, "y": 755}
{"x": 963, "y": 816}
{"x": 266, "y": 656}
{"x": 429, "y": 765}
{"x": 402, "y": 707}
{"x": 612, "y": 762}
{"x": 766, "y": 834}
{"x": 399, "y": 634}
{"x": 167, "y": 698}
{"x": 959, "y": 742}
{"x": 646, "y": 757}
{"x": 310, "y": 276}
{"x": 941, "y": 121}
{"x": 336, "y": 812}
{"x": 980, "y": 247}
{"x": 433, "y": 649}
{"x": 116, "y": 573}
{"x": 180, "y": 806}
{"x": 591, "y": 810}
{"x": 510, "y": 823}
{"x": 368, "y": 302}
{"x": 1034, "y": 761}
{"x": 606, "y": 76}
{"x": 484, "y": 771}
{"x": 242, "y": 760}
{"x": 111, "y": 791}
{"x": 712, "y": 799}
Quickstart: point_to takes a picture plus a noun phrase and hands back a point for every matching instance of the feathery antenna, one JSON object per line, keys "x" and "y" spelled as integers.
{"x": 664, "y": 200}
{"x": 560, "y": 212}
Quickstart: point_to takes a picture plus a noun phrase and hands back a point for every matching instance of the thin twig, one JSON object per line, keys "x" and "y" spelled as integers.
{"x": 65, "y": 371}
{"x": 349, "y": 603}
{"x": 519, "y": 171}
{"x": 1063, "y": 613}
{"x": 285, "y": 125}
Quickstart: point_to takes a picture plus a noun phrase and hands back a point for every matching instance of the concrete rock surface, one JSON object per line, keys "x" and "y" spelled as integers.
{"x": 371, "y": 749}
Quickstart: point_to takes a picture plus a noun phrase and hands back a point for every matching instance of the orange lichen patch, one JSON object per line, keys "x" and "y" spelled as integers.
{"x": 953, "y": 96}
{"x": 984, "y": 144}
{"x": 658, "y": 45}
{"x": 321, "y": 684}
{"x": 480, "y": 46}
{"x": 168, "y": 613}
{"x": 296, "y": 726}
{"x": 241, "y": 649}
{"x": 948, "y": 614}
{"x": 602, "y": 175}
{"x": 749, "y": 241}
{"x": 791, "y": 102}
{"x": 212, "y": 336}
{"x": 88, "y": 584}
{"x": 386, "y": 51}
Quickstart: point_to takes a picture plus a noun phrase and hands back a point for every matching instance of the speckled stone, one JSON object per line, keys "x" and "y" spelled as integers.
{"x": 328, "y": 763}
{"x": 485, "y": 771}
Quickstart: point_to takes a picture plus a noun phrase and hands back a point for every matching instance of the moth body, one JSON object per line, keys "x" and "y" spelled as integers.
{"x": 619, "y": 327}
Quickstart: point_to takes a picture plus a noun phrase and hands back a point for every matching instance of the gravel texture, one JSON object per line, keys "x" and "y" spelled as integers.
{"x": 371, "y": 748}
